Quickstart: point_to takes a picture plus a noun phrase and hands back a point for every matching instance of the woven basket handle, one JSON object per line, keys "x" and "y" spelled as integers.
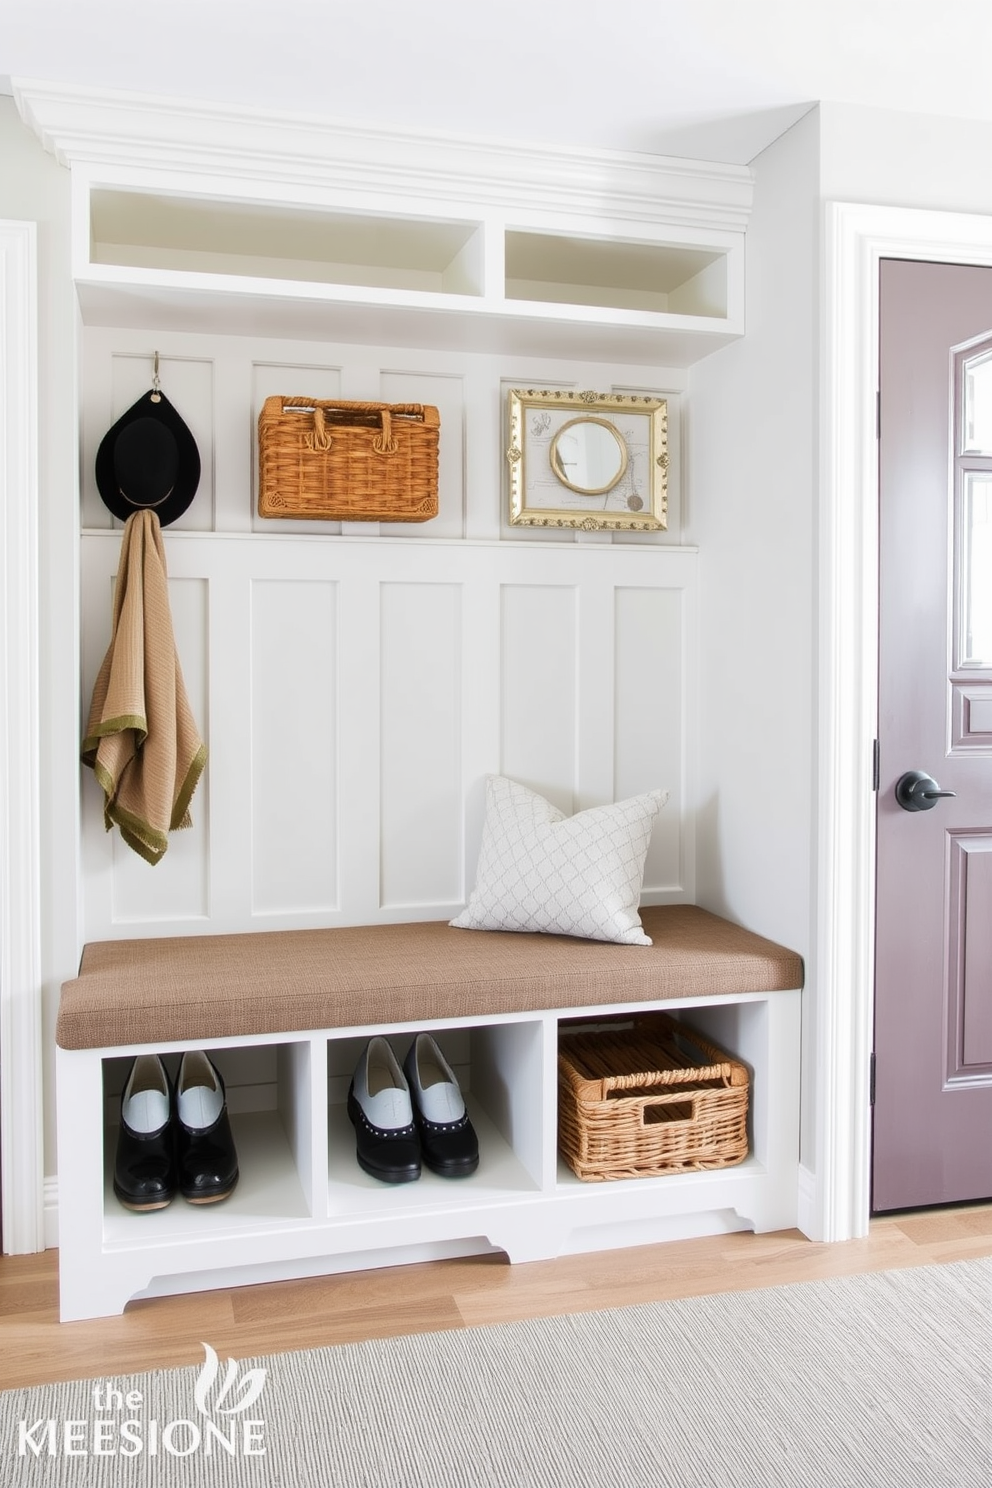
{"x": 667, "y": 1079}
{"x": 305, "y": 405}
{"x": 384, "y": 443}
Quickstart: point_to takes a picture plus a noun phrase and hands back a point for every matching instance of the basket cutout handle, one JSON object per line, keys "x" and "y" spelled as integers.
{"x": 665, "y": 1110}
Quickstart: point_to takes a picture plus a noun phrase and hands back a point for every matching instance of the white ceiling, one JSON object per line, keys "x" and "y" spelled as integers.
{"x": 710, "y": 79}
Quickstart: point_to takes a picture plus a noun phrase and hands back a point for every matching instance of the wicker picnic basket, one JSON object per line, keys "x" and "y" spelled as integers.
{"x": 328, "y": 460}
{"x": 646, "y": 1098}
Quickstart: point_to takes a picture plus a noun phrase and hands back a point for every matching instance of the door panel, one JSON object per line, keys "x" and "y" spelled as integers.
{"x": 932, "y": 1137}
{"x": 970, "y": 1003}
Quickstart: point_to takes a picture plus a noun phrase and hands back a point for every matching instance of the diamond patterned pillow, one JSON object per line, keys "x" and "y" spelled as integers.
{"x": 541, "y": 871}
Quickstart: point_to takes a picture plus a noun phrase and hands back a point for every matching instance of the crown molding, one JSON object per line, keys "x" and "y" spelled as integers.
{"x": 100, "y": 129}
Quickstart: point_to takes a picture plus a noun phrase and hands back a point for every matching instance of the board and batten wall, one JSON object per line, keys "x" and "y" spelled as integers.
{"x": 355, "y": 685}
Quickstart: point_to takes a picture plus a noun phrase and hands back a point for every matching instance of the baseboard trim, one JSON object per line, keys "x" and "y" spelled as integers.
{"x": 50, "y": 1225}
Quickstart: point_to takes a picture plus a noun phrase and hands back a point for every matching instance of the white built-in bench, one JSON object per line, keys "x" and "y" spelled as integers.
{"x": 286, "y": 1015}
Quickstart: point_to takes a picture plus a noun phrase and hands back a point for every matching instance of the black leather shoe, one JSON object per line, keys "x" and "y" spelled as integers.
{"x": 448, "y": 1141}
{"x": 206, "y": 1157}
{"x": 379, "y": 1109}
{"x": 145, "y": 1162}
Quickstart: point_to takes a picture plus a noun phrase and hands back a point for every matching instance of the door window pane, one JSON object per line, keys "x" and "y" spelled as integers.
{"x": 977, "y": 430}
{"x": 976, "y": 571}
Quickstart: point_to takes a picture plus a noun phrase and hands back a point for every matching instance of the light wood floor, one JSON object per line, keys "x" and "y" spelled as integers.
{"x": 36, "y": 1348}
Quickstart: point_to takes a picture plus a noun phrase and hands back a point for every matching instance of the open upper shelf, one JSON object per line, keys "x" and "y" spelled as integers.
{"x": 557, "y": 269}
{"x": 202, "y": 218}
{"x": 233, "y": 266}
{"x": 257, "y": 240}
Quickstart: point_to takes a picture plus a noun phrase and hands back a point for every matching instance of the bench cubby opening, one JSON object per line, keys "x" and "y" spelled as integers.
{"x": 268, "y": 1101}
{"x": 500, "y": 1070}
{"x": 741, "y": 1029}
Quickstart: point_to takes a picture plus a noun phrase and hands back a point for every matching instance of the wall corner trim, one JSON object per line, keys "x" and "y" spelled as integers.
{"x": 21, "y": 1123}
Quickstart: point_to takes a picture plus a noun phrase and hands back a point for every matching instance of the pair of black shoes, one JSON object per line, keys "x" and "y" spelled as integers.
{"x": 405, "y": 1117}
{"x": 174, "y": 1140}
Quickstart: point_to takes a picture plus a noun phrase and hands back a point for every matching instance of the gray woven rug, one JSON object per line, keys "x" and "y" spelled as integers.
{"x": 878, "y": 1381}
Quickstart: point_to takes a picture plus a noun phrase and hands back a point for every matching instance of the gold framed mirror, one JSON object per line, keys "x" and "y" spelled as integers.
{"x": 597, "y": 461}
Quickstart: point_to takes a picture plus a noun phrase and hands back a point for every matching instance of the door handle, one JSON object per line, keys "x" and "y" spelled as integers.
{"x": 918, "y": 791}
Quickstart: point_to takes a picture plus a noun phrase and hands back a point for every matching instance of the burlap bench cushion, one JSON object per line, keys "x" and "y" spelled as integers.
{"x": 191, "y": 988}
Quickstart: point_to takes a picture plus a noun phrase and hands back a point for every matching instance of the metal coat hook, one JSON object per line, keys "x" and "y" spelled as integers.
{"x": 156, "y": 383}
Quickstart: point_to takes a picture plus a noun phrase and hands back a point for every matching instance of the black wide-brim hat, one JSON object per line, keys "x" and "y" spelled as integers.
{"x": 148, "y": 459}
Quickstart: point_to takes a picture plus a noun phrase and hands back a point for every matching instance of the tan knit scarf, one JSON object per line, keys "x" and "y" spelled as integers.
{"x": 141, "y": 740}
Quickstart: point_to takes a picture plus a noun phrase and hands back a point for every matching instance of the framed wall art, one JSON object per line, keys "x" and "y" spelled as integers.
{"x": 598, "y": 461}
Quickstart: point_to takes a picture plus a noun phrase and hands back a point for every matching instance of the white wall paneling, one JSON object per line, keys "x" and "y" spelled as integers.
{"x": 356, "y": 685}
{"x": 354, "y": 692}
{"x": 421, "y": 704}
{"x": 650, "y": 679}
{"x": 293, "y": 744}
{"x": 540, "y": 662}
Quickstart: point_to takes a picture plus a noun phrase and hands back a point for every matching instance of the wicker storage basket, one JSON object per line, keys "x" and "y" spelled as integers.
{"x": 649, "y": 1099}
{"x": 350, "y": 462}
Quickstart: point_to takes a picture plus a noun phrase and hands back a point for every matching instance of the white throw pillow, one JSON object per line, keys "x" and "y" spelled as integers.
{"x": 542, "y": 871}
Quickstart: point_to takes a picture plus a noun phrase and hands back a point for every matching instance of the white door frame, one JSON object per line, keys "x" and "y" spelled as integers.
{"x": 856, "y": 238}
{"x": 21, "y": 1110}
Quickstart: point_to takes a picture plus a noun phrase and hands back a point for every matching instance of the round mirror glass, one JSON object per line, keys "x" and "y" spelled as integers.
{"x": 588, "y": 455}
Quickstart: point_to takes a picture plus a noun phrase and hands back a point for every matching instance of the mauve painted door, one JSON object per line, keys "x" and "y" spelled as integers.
{"x": 932, "y": 1141}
